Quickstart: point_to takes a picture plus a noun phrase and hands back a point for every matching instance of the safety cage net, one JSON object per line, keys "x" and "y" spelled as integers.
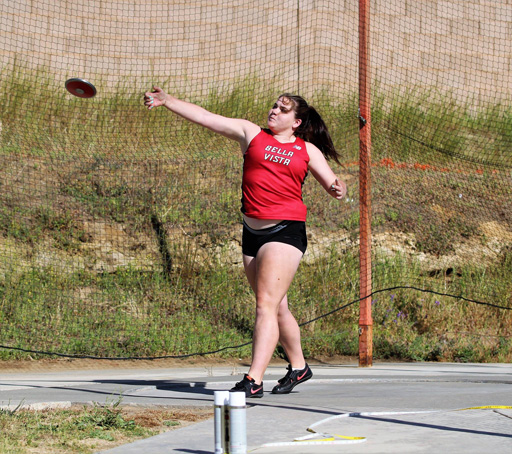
{"x": 120, "y": 227}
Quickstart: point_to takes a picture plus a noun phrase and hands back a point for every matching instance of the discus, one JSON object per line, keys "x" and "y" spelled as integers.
{"x": 80, "y": 87}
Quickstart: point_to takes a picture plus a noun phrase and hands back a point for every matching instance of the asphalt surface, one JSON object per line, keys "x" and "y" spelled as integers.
{"x": 388, "y": 408}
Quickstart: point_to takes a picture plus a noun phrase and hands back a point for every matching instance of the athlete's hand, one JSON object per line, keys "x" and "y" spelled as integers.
{"x": 338, "y": 189}
{"x": 154, "y": 98}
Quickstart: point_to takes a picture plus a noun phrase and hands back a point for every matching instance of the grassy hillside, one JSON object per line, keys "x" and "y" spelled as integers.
{"x": 120, "y": 228}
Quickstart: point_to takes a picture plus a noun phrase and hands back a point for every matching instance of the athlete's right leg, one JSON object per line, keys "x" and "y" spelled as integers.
{"x": 270, "y": 274}
{"x": 289, "y": 330}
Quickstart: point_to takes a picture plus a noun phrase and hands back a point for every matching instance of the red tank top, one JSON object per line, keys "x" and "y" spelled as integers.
{"x": 273, "y": 175}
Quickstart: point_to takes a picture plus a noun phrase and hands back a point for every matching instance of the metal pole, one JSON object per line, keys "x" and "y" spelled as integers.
{"x": 365, "y": 262}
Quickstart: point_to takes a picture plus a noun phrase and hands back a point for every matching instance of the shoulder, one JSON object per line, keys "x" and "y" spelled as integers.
{"x": 260, "y": 134}
{"x": 317, "y": 161}
{"x": 251, "y": 130}
{"x": 313, "y": 150}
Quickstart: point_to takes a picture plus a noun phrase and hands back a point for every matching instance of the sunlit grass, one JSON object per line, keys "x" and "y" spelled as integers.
{"x": 85, "y": 429}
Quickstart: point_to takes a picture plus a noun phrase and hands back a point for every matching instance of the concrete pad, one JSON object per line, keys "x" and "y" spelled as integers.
{"x": 394, "y": 407}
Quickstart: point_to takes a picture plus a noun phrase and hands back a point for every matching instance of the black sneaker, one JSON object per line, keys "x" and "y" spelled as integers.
{"x": 292, "y": 379}
{"x": 249, "y": 386}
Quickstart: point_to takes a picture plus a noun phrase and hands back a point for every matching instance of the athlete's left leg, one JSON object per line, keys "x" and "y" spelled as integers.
{"x": 289, "y": 335}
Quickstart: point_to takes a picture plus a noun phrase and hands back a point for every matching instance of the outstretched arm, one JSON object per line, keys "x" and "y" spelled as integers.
{"x": 323, "y": 173}
{"x": 233, "y": 128}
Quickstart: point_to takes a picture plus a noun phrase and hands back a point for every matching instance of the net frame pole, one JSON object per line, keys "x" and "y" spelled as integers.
{"x": 365, "y": 264}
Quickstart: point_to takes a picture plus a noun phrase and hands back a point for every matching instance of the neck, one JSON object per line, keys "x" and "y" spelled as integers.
{"x": 284, "y": 137}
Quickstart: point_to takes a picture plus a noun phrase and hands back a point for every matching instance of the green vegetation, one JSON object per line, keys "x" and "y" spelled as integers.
{"x": 118, "y": 228}
{"x": 84, "y": 429}
{"x": 134, "y": 313}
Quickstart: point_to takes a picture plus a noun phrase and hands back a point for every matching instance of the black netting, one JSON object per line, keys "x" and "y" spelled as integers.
{"x": 120, "y": 228}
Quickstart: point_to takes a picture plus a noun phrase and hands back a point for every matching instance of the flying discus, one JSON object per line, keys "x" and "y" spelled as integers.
{"x": 80, "y": 87}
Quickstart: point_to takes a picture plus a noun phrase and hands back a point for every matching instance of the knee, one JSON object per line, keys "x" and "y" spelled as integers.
{"x": 284, "y": 310}
{"x": 283, "y": 313}
{"x": 266, "y": 308}
{"x": 286, "y": 318}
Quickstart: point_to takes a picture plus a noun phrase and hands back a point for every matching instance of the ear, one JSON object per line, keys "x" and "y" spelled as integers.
{"x": 296, "y": 123}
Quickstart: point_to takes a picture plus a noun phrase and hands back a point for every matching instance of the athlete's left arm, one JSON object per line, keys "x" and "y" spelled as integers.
{"x": 323, "y": 173}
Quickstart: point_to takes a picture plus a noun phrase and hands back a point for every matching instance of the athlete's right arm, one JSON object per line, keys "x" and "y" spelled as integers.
{"x": 233, "y": 128}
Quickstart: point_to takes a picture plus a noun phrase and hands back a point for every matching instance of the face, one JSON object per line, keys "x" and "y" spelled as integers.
{"x": 282, "y": 116}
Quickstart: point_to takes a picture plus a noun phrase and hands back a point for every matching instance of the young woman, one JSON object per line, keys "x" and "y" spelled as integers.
{"x": 276, "y": 162}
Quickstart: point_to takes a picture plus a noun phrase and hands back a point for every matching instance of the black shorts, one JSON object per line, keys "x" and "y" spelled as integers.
{"x": 288, "y": 232}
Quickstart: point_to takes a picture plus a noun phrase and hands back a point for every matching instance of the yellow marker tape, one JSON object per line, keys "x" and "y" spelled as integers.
{"x": 327, "y": 437}
{"x": 350, "y": 438}
{"x": 316, "y": 439}
{"x": 487, "y": 407}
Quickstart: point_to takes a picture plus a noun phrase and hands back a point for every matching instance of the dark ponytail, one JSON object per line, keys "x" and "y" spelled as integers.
{"x": 313, "y": 128}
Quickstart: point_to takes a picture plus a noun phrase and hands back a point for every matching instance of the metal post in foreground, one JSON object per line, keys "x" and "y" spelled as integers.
{"x": 365, "y": 263}
{"x": 220, "y": 421}
{"x": 237, "y": 423}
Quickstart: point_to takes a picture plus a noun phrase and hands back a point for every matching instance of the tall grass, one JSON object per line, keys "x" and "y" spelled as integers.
{"x": 173, "y": 189}
{"x": 135, "y": 314}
